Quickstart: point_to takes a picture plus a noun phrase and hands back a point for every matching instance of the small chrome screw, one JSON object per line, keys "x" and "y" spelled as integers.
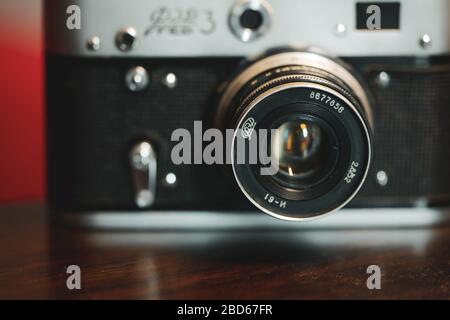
{"x": 93, "y": 43}
{"x": 383, "y": 79}
{"x": 425, "y": 41}
{"x": 340, "y": 29}
{"x": 382, "y": 178}
{"x": 170, "y": 80}
{"x": 137, "y": 79}
{"x": 126, "y": 39}
{"x": 171, "y": 179}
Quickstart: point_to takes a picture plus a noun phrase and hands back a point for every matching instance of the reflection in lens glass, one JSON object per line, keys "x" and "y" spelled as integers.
{"x": 304, "y": 151}
{"x": 297, "y": 147}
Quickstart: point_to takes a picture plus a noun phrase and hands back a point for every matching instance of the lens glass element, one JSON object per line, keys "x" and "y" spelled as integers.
{"x": 297, "y": 148}
{"x": 306, "y": 151}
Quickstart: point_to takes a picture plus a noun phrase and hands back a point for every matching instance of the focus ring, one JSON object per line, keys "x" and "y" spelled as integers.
{"x": 291, "y": 78}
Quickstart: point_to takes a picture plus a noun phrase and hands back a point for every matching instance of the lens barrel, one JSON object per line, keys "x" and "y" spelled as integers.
{"x": 318, "y": 119}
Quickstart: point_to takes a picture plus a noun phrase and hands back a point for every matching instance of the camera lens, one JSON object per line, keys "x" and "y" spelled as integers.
{"x": 305, "y": 150}
{"x": 317, "y": 117}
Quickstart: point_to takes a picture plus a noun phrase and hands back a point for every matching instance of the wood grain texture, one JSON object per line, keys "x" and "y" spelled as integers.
{"x": 311, "y": 264}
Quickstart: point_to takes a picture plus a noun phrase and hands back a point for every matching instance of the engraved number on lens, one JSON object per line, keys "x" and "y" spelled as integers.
{"x": 271, "y": 199}
{"x": 351, "y": 172}
{"x": 327, "y": 99}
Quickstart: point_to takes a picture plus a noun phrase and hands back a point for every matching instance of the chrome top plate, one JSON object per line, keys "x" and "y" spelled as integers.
{"x": 199, "y": 28}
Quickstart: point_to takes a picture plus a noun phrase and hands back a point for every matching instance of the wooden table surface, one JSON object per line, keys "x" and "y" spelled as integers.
{"x": 34, "y": 255}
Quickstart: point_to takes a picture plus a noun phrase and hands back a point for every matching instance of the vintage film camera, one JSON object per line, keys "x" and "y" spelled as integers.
{"x": 358, "y": 90}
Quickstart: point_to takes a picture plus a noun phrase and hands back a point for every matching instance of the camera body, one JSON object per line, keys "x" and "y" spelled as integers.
{"x": 134, "y": 72}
